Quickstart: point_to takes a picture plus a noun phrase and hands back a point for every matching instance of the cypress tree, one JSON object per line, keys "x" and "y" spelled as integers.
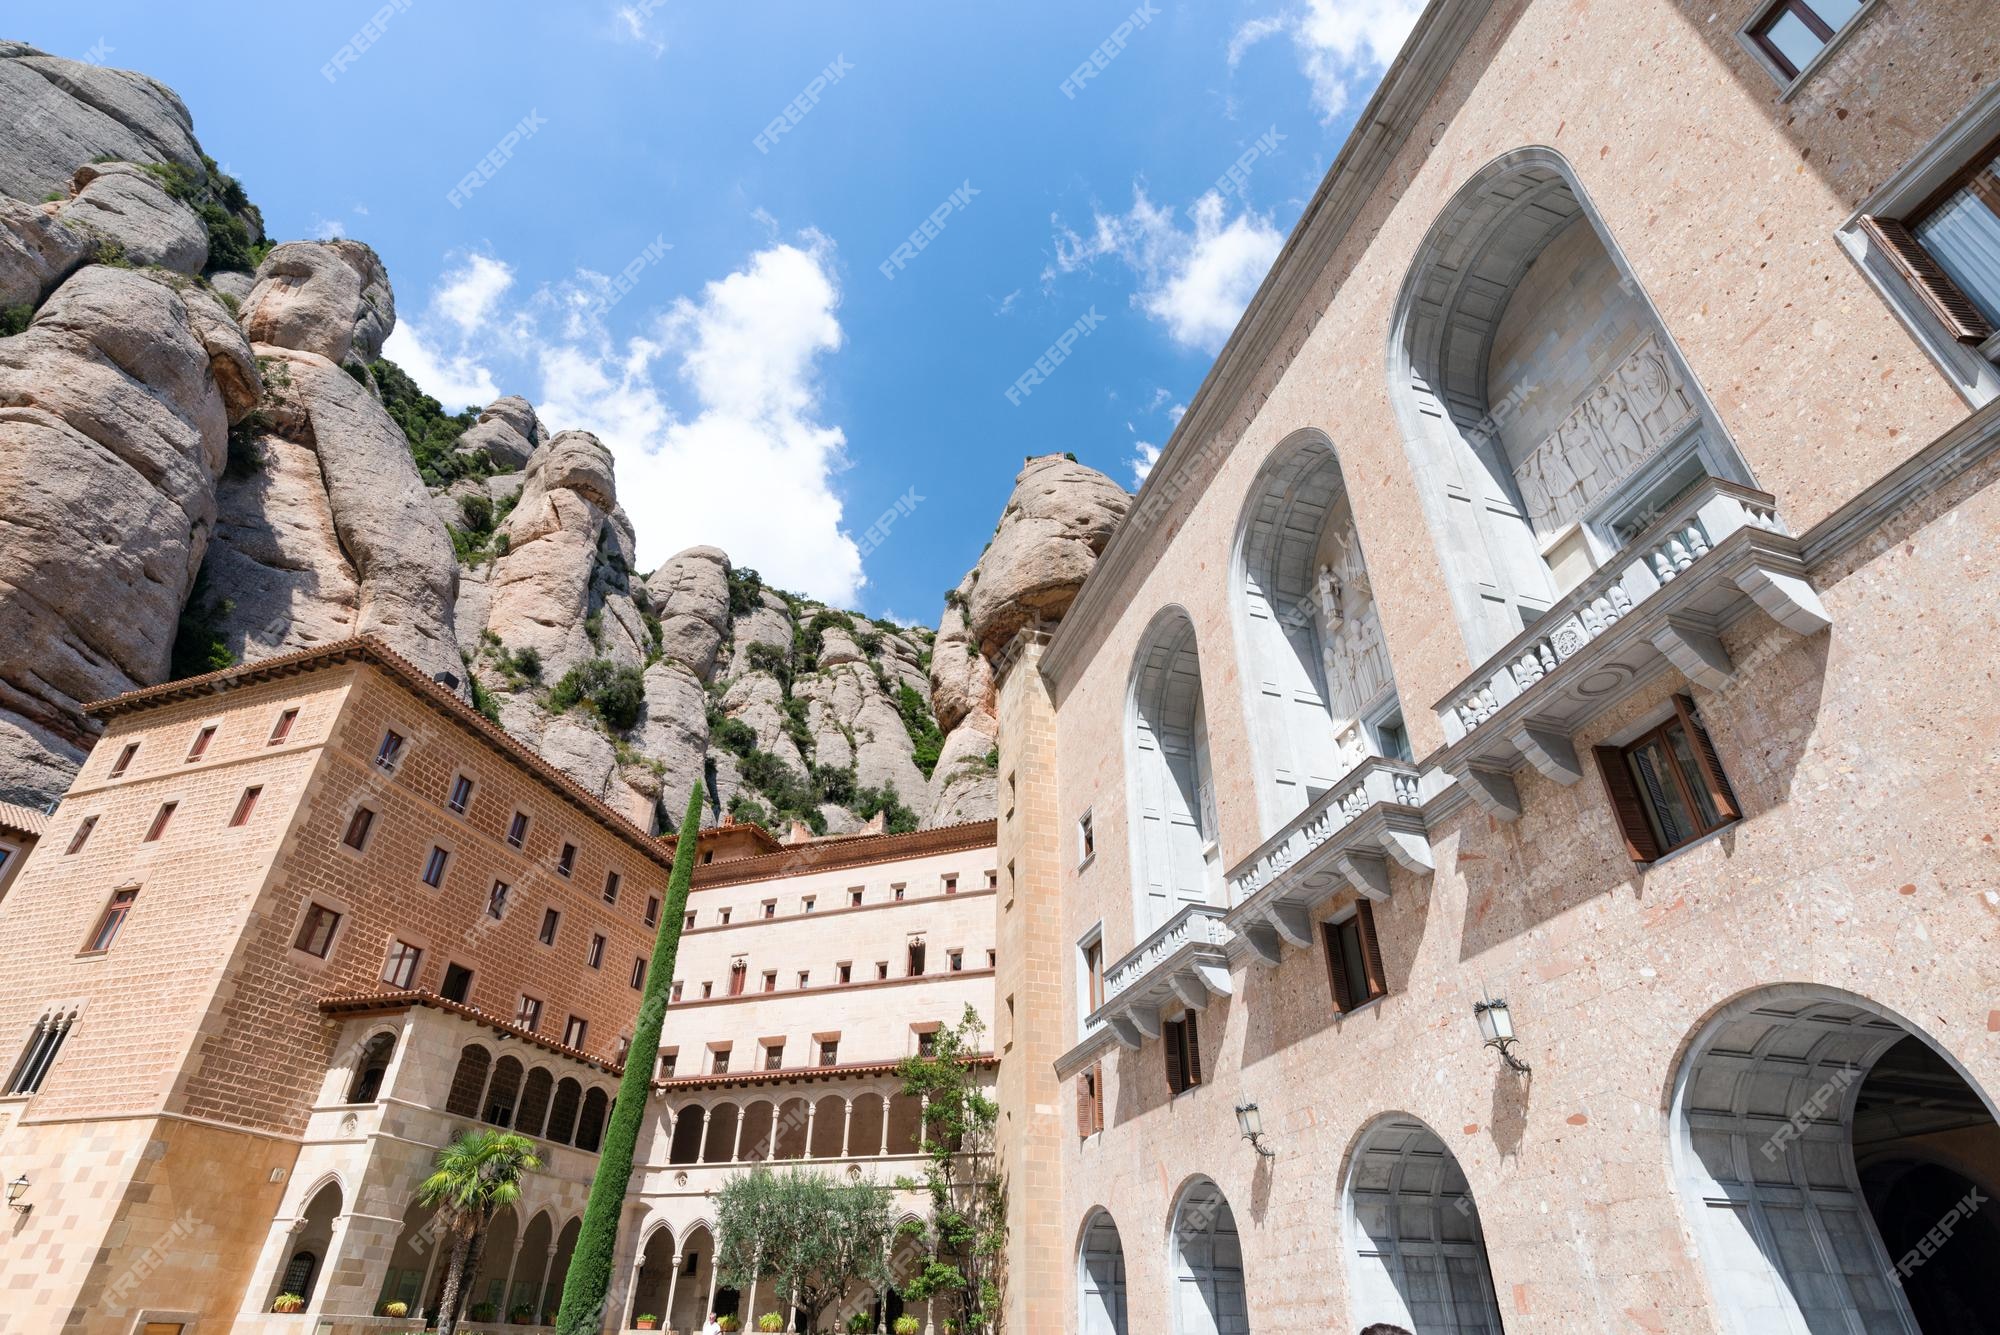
{"x": 588, "y": 1285}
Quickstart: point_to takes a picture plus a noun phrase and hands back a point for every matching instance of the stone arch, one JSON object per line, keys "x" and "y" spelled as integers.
{"x": 697, "y": 1252}
{"x": 829, "y": 1126}
{"x": 503, "y": 1092}
{"x": 718, "y": 1145}
{"x": 303, "y": 1265}
{"x": 759, "y": 1125}
{"x": 563, "y": 1108}
{"x": 689, "y": 1127}
{"x": 468, "y": 1081}
{"x": 1779, "y": 1099}
{"x": 496, "y": 1259}
{"x": 371, "y": 1067}
{"x": 590, "y": 1121}
{"x": 1318, "y": 687}
{"x": 537, "y": 1249}
{"x": 1170, "y": 786}
{"x": 906, "y": 1129}
{"x": 1100, "y": 1277}
{"x": 1205, "y": 1264}
{"x": 536, "y": 1091}
{"x": 1416, "y": 1255}
{"x": 658, "y": 1248}
{"x": 559, "y": 1268}
{"x": 1545, "y": 408}
{"x": 411, "y": 1260}
{"x": 792, "y": 1129}
{"x": 865, "y": 1138}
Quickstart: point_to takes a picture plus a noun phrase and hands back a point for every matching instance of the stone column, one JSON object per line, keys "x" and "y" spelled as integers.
{"x": 701, "y": 1150}
{"x": 673, "y": 1287}
{"x": 812, "y": 1113}
{"x": 507, "y": 1284}
{"x": 278, "y": 1249}
{"x": 736, "y": 1144}
{"x": 714, "y": 1275}
{"x": 541, "y": 1298}
{"x": 750, "y": 1312}
{"x": 632, "y": 1291}
{"x": 846, "y": 1125}
{"x": 884, "y": 1151}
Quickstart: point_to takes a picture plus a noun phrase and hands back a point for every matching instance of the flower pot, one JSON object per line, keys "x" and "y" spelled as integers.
{"x": 288, "y": 1302}
{"x": 646, "y": 1323}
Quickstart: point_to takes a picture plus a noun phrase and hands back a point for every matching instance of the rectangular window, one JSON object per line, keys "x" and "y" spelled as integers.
{"x": 992, "y": 958}
{"x": 956, "y": 958}
{"x": 1667, "y": 789}
{"x": 1948, "y": 249}
{"x": 434, "y": 866}
{"x": 283, "y": 727}
{"x": 806, "y": 904}
{"x": 496, "y": 900}
{"x": 76, "y": 841}
{"x": 770, "y": 980}
{"x": 43, "y": 1045}
{"x": 201, "y": 741}
{"x": 844, "y": 972}
{"x": 358, "y": 826}
{"x": 124, "y": 761}
{"x": 160, "y": 819}
{"x": 927, "y": 1043}
{"x": 898, "y": 890}
{"x": 391, "y": 748}
{"x": 611, "y": 883}
{"x": 529, "y": 1013}
{"x": 881, "y": 970}
{"x": 1086, "y": 839}
{"x": 245, "y": 804}
{"x": 517, "y": 830}
{"x": 916, "y": 961}
{"x": 1354, "y": 959}
{"x": 113, "y": 919}
{"x": 687, "y": 921}
{"x": 316, "y": 932}
{"x": 639, "y": 976}
{"x": 718, "y": 1061}
{"x": 652, "y": 910}
{"x": 400, "y": 970}
{"x": 457, "y": 985}
{"x": 1093, "y": 974}
{"x": 595, "y": 957}
{"x": 574, "y": 1030}
{"x": 1090, "y": 1101}
{"x": 566, "y": 860}
{"x": 774, "y": 1056}
{"x": 640, "y": 969}
{"x": 829, "y": 1051}
{"x": 1182, "y": 1043}
{"x": 461, "y": 794}
{"x": 551, "y": 919}
{"x": 722, "y": 916}
{"x": 854, "y": 898}
{"x": 668, "y": 1060}
{"x": 707, "y": 991}
{"x": 738, "y": 973}
{"x": 1793, "y": 32}
{"x": 770, "y": 908}
{"x": 992, "y": 880}
{"x": 805, "y": 978}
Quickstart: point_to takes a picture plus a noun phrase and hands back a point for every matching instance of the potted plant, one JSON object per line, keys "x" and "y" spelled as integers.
{"x": 395, "y": 1309}
{"x": 770, "y": 1321}
{"x": 482, "y": 1312}
{"x": 522, "y": 1314}
{"x": 289, "y": 1302}
{"x": 908, "y": 1325}
{"x": 646, "y": 1321}
{"x": 728, "y": 1324}
{"x": 860, "y": 1324}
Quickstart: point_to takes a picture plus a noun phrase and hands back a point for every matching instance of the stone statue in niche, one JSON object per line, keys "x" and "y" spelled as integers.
{"x": 1352, "y": 650}
{"x": 1640, "y": 406}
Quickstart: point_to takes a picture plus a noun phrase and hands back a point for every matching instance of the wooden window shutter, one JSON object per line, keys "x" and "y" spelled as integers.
{"x": 1193, "y": 1049}
{"x": 1097, "y": 1097}
{"x": 1947, "y": 300}
{"x": 1371, "y": 949}
{"x": 1336, "y": 976}
{"x": 1626, "y": 804}
{"x": 1712, "y": 776}
{"x": 1085, "y": 1102}
{"x": 1171, "y": 1032}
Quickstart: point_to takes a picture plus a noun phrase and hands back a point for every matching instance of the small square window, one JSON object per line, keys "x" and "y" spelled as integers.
{"x": 316, "y": 932}
{"x": 774, "y": 1056}
{"x": 574, "y": 1030}
{"x": 652, "y": 910}
{"x": 854, "y": 898}
{"x": 927, "y": 1042}
{"x": 82, "y": 835}
{"x": 844, "y": 972}
{"x": 566, "y": 860}
{"x": 551, "y": 919}
{"x": 283, "y": 727}
{"x": 951, "y": 883}
{"x": 201, "y": 741}
{"x": 718, "y": 1061}
{"x": 595, "y": 957}
{"x": 806, "y": 904}
{"x": 687, "y": 920}
{"x": 957, "y": 959}
{"x": 529, "y": 1013}
{"x": 160, "y": 819}
{"x": 881, "y": 970}
{"x": 460, "y": 800}
{"x": 517, "y": 830}
{"x": 114, "y": 918}
{"x": 1792, "y": 33}
{"x": 400, "y": 970}
{"x": 639, "y": 976}
{"x": 898, "y": 890}
{"x": 390, "y": 750}
{"x": 612, "y": 880}
{"x": 707, "y": 991}
{"x": 124, "y": 761}
{"x": 829, "y": 1052}
{"x": 668, "y": 1060}
{"x": 676, "y": 995}
{"x": 722, "y": 916}
{"x": 1667, "y": 789}
{"x": 992, "y": 879}
{"x": 245, "y": 804}
{"x": 434, "y": 866}
{"x": 496, "y": 900}
{"x": 358, "y": 826}
{"x": 770, "y": 908}
{"x": 457, "y": 985}
{"x": 770, "y": 980}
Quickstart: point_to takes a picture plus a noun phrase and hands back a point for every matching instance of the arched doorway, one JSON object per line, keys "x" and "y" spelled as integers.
{"x": 1416, "y": 1257}
{"x": 1100, "y": 1278}
{"x": 1173, "y": 791}
{"x": 305, "y": 1261}
{"x": 1322, "y": 698}
{"x": 1835, "y": 1164}
{"x": 1205, "y": 1266}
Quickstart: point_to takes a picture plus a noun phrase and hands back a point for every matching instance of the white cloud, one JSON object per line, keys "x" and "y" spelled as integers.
{"x": 634, "y": 23}
{"x": 455, "y": 380}
{"x": 1176, "y": 413}
{"x": 1197, "y": 282}
{"x": 1339, "y": 43}
{"x": 713, "y": 412}
{"x": 1144, "y": 456}
{"x": 327, "y": 229}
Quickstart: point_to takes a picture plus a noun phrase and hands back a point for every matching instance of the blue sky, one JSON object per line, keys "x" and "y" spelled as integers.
{"x": 653, "y": 259}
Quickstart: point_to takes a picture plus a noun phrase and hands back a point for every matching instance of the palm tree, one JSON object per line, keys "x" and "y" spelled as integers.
{"x": 475, "y": 1176}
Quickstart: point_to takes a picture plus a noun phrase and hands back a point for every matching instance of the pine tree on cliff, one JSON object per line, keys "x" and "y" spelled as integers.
{"x": 588, "y": 1286}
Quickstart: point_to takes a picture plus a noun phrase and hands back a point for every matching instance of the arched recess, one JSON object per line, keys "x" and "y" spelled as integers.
{"x": 559, "y": 1268}
{"x": 502, "y": 1092}
{"x": 1320, "y": 692}
{"x": 468, "y": 1081}
{"x": 1100, "y": 1278}
{"x": 413, "y": 1258}
{"x": 563, "y": 1109}
{"x": 866, "y": 1136}
{"x": 590, "y": 1122}
{"x": 1171, "y": 787}
{"x": 690, "y": 1305}
{"x": 1808, "y": 1125}
{"x": 1205, "y": 1265}
{"x": 654, "y": 1284}
{"x": 829, "y": 1126}
{"x": 371, "y": 1068}
{"x": 305, "y": 1260}
{"x": 496, "y": 1258}
{"x": 536, "y": 1091}
{"x": 1546, "y": 409}
{"x": 688, "y": 1128}
{"x": 537, "y": 1249}
{"x": 759, "y": 1124}
{"x": 1416, "y": 1255}
{"x": 720, "y": 1143}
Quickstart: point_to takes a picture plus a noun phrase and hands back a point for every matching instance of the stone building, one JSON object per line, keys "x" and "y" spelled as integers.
{"x": 20, "y": 830}
{"x": 300, "y": 923}
{"x": 1569, "y": 589}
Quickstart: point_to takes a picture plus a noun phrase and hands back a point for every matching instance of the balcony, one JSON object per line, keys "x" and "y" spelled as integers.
{"x": 1665, "y": 598}
{"x": 1346, "y": 838}
{"x": 1184, "y": 962}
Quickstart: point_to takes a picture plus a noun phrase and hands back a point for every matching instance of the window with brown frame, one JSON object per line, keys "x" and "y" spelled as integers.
{"x": 461, "y": 794}
{"x": 517, "y": 830}
{"x": 201, "y": 741}
{"x": 77, "y": 840}
{"x": 529, "y": 1013}
{"x": 611, "y": 881}
{"x": 1090, "y": 1101}
{"x": 774, "y": 1056}
{"x": 160, "y": 819}
{"x": 551, "y": 920}
{"x": 283, "y": 727}
{"x": 358, "y": 826}
{"x": 124, "y": 761}
{"x": 245, "y": 805}
{"x": 391, "y": 748}
{"x": 1948, "y": 248}
{"x": 1667, "y": 788}
{"x": 1354, "y": 959}
{"x": 574, "y": 1031}
{"x": 829, "y": 1052}
{"x": 595, "y": 959}
{"x": 1793, "y": 32}
{"x": 738, "y": 971}
{"x": 114, "y": 918}
{"x": 1181, "y": 1041}
{"x": 566, "y": 860}
{"x": 434, "y": 866}
{"x": 316, "y": 932}
{"x": 399, "y": 969}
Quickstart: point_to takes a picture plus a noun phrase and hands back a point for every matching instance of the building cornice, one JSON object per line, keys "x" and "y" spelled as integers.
{"x": 853, "y": 851}
{"x": 1215, "y": 416}
{"x": 394, "y": 1001}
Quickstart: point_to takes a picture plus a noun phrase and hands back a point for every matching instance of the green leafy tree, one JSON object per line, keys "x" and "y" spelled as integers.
{"x": 589, "y": 1281}
{"x": 813, "y": 1235}
{"x": 475, "y": 1176}
{"x": 964, "y": 1240}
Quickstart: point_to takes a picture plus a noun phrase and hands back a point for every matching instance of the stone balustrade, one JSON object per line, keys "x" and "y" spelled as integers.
{"x": 1184, "y": 961}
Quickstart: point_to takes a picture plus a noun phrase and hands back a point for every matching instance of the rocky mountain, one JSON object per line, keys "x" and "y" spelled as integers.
{"x": 207, "y": 460}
